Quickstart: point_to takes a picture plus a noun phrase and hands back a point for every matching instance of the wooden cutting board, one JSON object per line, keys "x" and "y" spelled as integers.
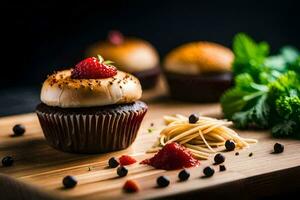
{"x": 38, "y": 169}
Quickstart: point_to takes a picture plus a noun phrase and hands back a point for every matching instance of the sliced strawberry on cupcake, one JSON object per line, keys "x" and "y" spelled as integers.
{"x": 94, "y": 68}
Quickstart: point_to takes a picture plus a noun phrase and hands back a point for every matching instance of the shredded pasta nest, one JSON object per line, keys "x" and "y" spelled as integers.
{"x": 205, "y": 137}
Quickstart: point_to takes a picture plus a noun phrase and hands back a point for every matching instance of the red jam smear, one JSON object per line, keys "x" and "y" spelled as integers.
{"x": 126, "y": 160}
{"x": 172, "y": 156}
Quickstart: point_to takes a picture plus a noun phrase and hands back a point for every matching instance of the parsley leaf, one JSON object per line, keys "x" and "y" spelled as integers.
{"x": 266, "y": 93}
{"x": 249, "y": 56}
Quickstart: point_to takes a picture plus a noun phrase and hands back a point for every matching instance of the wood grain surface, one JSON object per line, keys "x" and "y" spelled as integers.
{"x": 38, "y": 169}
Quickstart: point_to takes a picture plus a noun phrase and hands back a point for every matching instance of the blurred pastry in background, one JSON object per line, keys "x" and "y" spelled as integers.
{"x": 198, "y": 71}
{"x": 132, "y": 55}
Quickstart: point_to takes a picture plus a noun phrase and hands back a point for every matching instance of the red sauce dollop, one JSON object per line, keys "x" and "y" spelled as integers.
{"x": 172, "y": 156}
{"x": 126, "y": 160}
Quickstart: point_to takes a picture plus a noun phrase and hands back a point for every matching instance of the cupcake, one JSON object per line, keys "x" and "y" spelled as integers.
{"x": 92, "y": 108}
{"x": 131, "y": 55}
{"x": 198, "y": 71}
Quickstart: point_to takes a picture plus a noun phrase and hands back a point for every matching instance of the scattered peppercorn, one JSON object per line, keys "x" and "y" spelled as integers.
{"x": 7, "y": 161}
{"x": 183, "y": 175}
{"x": 113, "y": 163}
{"x": 222, "y": 168}
{"x": 208, "y": 171}
{"x": 237, "y": 153}
{"x": 219, "y": 158}
{"x": 278, "y": 148}
{"x": 193, "y": 118}
{"x": 69, "y": 182}
{"x": 230, "y": 145}
{"x": 122, "y": 171}
{"x": 131, "y": 186}
{"x": 152, "y": 124}
{"x": 250, "y": 154}
{"x": 162, "y": 181}
{"x": 18, "y": 129}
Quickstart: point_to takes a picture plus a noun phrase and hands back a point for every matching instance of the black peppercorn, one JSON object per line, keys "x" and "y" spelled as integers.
{"x": 122, "y": 171}
{"x": 193, "y": 118}
{"x": 250, "y": 154}
{"x": 219, "y": 158}
{"x": 237, "y": 153}
{"x": 222, "y": 168}
{"x": 230, "y": 145}
{"x": 183, "y": 175}
{"x": 113, "y": 163}
{"x": 18, "y": 129}
{"x": 162, "y": 181}
{"x": 7, "y": 161}
{"x": 69, "y": 182}
{"x": 208, "y": 171}
{"x": 278, "y": 148}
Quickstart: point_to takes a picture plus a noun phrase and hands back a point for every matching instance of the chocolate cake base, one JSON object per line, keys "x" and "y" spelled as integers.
{"x": 91, "y": 130}
{"x": 198, "y": 88}
{"x": 148, "y": 78}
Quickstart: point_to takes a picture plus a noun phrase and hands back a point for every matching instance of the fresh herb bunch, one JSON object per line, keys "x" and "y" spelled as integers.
{"x": 267, "y": 88}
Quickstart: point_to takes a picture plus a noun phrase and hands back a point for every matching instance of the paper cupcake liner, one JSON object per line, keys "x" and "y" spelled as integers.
{"x": 200, "y": 88}
{"x": 105, "y": 131}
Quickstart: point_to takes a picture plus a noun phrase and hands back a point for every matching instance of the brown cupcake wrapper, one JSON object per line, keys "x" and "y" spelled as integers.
{"x": 148, "y": 78}
{"x": 201, "y": 89}
{"x": 86, "y": 133}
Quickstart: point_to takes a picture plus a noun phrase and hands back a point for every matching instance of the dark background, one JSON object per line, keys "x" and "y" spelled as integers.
{"x": 38, "y": 38}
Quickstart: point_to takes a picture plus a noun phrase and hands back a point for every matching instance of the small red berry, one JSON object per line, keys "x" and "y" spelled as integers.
{"x": 93, "y": 68}
{"x": 126, "y": 160}
{"x": 115, "y": 37}
{"x": 131, "y": 186}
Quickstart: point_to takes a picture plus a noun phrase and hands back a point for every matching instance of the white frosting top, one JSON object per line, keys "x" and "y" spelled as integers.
{"x": 61, "y": 90}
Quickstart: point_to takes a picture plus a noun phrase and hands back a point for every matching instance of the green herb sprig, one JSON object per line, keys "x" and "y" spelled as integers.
{"x": 267, "y": 88}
